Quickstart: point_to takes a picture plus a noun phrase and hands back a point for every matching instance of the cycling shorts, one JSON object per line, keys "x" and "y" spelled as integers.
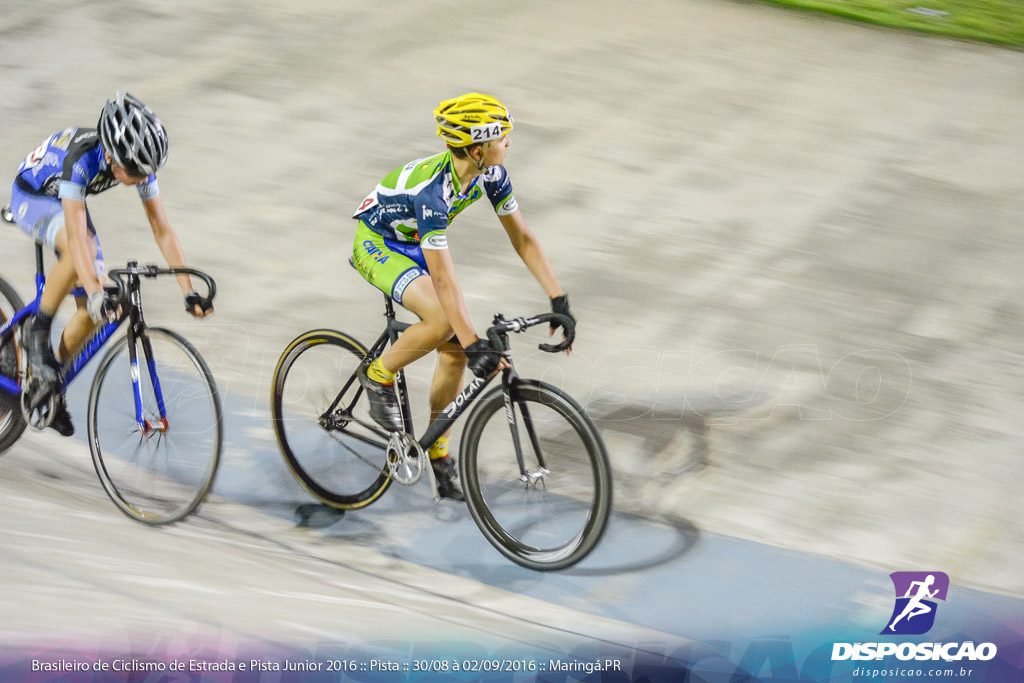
{"x": 41, "y": 217}
{"x": 389, "y": 266}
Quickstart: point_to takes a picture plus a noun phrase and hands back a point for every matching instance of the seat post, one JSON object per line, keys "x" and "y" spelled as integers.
{"x": 39, "y": 259}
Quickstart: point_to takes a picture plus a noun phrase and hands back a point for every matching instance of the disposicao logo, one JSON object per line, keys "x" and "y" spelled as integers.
{"x": 916, "y": 593}
{"x": 914, "y": 614}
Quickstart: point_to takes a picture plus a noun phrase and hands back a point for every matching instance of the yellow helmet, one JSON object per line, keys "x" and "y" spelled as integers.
{"x": 471, "y": 118}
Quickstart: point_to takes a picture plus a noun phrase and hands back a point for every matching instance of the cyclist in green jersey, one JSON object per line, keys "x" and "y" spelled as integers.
{"x": 401, "y": 247}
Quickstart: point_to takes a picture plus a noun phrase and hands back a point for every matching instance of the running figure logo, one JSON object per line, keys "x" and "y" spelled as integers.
{"x": 916, "y": 593}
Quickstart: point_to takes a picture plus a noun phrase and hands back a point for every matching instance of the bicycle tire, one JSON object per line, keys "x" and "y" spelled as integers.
{"x": 176, "y": 481}
{"x": 578, "y": 484}
{"x": 12, "y": 422}
{"x": 341, "y": 470}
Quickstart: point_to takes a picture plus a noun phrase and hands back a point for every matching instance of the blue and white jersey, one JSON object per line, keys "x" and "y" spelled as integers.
{"x": 417, "y": 202}
{"x": 70, "y": 165}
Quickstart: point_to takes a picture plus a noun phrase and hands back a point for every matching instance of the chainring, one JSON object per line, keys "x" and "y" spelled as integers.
{"x": 405, "y": 458}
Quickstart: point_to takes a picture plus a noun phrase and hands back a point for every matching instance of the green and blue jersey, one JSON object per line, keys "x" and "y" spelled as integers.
{"x": 415, "y": 203}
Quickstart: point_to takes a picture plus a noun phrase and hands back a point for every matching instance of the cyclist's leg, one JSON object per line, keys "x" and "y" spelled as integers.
{"x": 76, "y": 331}
{"x": 430, "y": 333}
{"x": 399, "y": 272}
{"x": 81, "y": 326}
{"x": 395, "y": 273}
{"x": 42, "y": 219}
{"x": 451, "y": 366}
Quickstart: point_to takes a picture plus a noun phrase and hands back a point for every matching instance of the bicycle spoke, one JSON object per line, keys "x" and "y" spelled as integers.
{"x": 157, "y": 479}
{"x": 316, "y": 398}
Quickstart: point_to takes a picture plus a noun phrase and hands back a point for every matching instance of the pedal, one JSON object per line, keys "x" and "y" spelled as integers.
{"x": 405, "y": 458}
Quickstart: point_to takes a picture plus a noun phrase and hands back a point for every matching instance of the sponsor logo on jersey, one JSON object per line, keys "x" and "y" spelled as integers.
{"x": 148, "y": 191}
{"x": 101, "y": 182}
{"x": 62, "y": 141}
{"x": 430, "y": 213}
{"x": 437, "y": 240}
{"x": 376, "y": 252}
{"x": 51, "y": 159}
{"x": 403, "y": 282}
{"x": 85, "y": 136}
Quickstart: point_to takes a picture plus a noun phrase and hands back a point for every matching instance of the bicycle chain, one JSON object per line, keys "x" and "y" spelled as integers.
{"x": 351, "y": 450}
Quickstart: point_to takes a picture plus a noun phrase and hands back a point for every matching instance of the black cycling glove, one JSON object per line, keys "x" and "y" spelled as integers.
{"x": 483, "y": 359}
{"x": 192, "y": 299}
{"x": 560, "y": 305}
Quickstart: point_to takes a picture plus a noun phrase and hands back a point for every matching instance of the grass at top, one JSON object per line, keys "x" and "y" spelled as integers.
{"x": 991, "y": 21}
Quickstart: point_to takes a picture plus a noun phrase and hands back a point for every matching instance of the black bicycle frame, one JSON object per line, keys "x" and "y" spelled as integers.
{"x": 451, "y": 413}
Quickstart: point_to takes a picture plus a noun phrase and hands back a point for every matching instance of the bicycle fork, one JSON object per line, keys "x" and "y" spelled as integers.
{"x": 136, "y": 333}
{"x": 145, "y": 426}
{"x": 532, "y": 478}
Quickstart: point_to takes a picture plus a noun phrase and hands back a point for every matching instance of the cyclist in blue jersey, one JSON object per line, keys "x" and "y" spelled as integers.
{"x": 48, "y": 202}
{"x": 401, "y": 247}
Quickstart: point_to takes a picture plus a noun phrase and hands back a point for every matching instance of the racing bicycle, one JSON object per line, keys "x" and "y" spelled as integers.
{"x": 155, "y": 434}
{"x": 534, "y": 468}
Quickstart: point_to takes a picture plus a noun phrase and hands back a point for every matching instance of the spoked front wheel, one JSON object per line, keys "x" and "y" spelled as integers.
{"x": 550, "y": 513}
{"x": 322, "y": 423}
{"x": 159, "y": 468}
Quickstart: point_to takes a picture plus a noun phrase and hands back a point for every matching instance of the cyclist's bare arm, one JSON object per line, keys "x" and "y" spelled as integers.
{"x": 169, "y": 244}
{"x": 449, "y": 294}
{"x": 77, "y": 235}
{"x": 532, "y": 254}
{"x": 166, "y": 239}
{"x": 530, "y": 251}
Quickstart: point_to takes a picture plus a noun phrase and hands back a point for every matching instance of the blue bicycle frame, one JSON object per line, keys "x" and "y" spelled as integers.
{"x": 136, "y": 331}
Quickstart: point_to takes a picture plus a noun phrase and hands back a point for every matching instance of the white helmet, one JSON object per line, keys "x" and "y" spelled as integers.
{"x": 132, "y": 135}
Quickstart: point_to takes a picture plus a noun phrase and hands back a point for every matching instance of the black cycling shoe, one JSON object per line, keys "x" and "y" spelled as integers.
{"x": 41, "y": 362}
{"x": 446, "y": 472}
{"x": 62, "y": 420}
{"x": 384, "y": 407}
